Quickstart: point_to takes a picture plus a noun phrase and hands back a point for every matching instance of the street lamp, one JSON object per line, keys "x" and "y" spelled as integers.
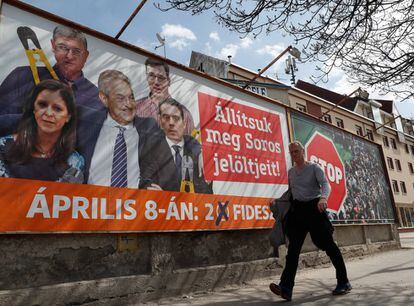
{"x": 292, "y": 50}
{"x": 139, "y": 7}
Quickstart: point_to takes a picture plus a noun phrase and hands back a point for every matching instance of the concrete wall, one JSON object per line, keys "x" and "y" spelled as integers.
{"x": 41, "y": 266}
{"x": 37, "y": 260}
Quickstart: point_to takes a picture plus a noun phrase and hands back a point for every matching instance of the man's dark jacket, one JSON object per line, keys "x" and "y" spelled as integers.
{"x": 89, "y": 125}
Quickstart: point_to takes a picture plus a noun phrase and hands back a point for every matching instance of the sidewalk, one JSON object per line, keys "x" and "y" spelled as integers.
{"x": 380, "y": 279}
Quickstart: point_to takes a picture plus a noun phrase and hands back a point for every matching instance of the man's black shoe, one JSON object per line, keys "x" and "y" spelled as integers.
{"x": 282, "y": 292}
{"x": 342, "y": 289}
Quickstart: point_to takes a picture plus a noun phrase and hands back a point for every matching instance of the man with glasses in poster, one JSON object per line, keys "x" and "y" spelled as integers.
{"x": 158, "y": 78}
{"x": 70, "y": 49}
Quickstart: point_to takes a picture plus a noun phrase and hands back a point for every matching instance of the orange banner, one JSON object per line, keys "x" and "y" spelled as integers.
{"x": 39, "y": 206}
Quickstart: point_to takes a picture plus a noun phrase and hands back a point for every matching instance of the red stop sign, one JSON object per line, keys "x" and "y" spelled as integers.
{"x": 320, "y": 149}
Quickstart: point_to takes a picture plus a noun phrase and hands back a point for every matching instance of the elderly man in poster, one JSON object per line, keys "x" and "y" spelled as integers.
{"x": 69, "y": 47}
{"x": 178, "y": 154}
{"x": 113, "y": 142}
{"x": 158, "y": 78}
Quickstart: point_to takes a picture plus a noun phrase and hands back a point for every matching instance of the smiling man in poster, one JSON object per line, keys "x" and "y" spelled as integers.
{"x": 113, "y": 141}
{"x": 70, "y": 49}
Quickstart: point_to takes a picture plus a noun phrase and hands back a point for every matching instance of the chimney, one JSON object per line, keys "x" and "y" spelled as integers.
{"x": 229, "y": 57}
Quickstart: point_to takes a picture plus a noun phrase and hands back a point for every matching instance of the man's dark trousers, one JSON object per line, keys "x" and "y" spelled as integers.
{"x": 304, "y": 217}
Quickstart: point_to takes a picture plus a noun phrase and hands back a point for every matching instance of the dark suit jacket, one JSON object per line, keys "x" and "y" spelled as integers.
{"x": 280, "y": 208}
{"x": 90, "y": 122}
{"x": 163, "y": 166}
{"x": 9, "y": 124}
{"x": 16, "y": 87}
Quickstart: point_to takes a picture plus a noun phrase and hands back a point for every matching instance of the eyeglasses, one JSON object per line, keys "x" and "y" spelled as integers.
{"x": 62, "y": 48}
{"x": 152, "y": 77}
{"x": 166, "y": 117}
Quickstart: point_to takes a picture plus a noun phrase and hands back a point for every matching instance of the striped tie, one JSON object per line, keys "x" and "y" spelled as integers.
{"x": 119, "y": 176}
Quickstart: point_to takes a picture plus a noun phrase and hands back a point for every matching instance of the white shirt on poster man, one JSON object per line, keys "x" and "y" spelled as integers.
{"x": 180, "y": 144}
{"x": 101, "y": 164}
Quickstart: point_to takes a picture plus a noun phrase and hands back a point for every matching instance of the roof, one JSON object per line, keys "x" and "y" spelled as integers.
{"x": 387, "y": 105}
{"x": 331, "y": 96}
{"x": 262, "y": 76}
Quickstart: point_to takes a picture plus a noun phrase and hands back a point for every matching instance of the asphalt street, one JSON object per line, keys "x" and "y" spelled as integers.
{"x": 385, "y": 278}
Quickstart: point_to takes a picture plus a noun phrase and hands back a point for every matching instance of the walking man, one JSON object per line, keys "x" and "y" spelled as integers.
{"x": 310, "y": 191}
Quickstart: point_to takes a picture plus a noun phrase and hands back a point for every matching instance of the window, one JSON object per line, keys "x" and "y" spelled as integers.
{"x": 410, "y": 216}
{"x": 370, "y": 136}
{"x": 200, "y": 67}
{"x": 403, "y": 189}
{"x": 339, "y": 123}
{"x": 385, "y": 141}
{"x": 398, "y": 165}
{"x": 327, "y": 118}
{"x": 301, "y": 107}
{"x": 411, "y": 168}
{"x": 407, "y": 149}
{"x": 390, "y": 163}
{"x": 393, "y": 143}
{"x": 412, "y": 149}
{"x": 358, "y": 130}
{"x": 313, "y": 109}
{"x": 403, "y": 220}
{"x": 395, "y": 186}
{"x": 407, "y": 216}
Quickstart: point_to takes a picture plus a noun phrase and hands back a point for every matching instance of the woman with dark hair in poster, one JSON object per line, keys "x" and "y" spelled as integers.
{"x": 43, "y": 147}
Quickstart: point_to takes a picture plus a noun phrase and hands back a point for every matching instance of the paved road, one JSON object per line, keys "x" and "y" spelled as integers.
{"x": 381, "y": 279}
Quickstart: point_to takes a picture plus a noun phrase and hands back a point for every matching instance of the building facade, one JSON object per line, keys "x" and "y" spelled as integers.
{"x": 371, "y": 119}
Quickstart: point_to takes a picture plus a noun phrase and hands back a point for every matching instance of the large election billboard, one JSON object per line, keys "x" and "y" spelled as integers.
{"x": 354, "y": 168}
{"x": 130, "y": 142}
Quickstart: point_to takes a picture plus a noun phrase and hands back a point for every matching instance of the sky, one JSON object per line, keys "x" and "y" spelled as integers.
{"x": 185, "y": 33}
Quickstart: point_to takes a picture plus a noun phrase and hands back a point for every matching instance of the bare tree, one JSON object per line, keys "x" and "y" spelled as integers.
{"x": 371, "y": 40}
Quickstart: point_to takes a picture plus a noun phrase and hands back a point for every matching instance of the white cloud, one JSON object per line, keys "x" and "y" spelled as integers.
{"x": 246, "y": 42}
{"x": 343, "y": 86}
{"x": 209, "y": 49}
{"x": 233, "y": 48}
{"x": 214, "y": 36}
{"x": 177, "y": 36}
{"x": 273, "y": 50}
{"x": 180, "y": 44}
{"x": 177, "y": 30}
{"x": 336, "y": 73}
{"x": 229, "y": 49}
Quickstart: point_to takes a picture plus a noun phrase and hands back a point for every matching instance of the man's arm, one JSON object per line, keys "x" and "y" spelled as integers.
{"x": 150, "y": 137}
{"x": 325, "y": 187}
{"x": 13, "y": 91}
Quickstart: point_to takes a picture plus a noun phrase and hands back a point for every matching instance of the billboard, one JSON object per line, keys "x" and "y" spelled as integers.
{"x": 144, "y": 144}
{"x": 354, "y": 168}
